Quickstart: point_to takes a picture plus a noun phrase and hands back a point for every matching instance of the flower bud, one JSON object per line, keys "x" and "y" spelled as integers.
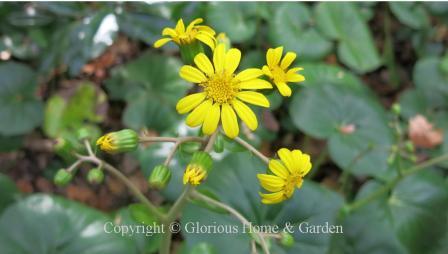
{"x": 396, "y": 108}
{"x": 409, "y": 146}
{"x": 198, "y": 168}
{"x": 64, "y": 149}
{"x": 189, "y": 51}
{"x": 95, "y": 176}
{"x": 62, "y": 177}
{"x": 160, "y": 177}
{"x": 287, "y": 240}
{"x": 222, "y": 38}
{"x": 117, "y": 142}
{"x": 218, "y": 146}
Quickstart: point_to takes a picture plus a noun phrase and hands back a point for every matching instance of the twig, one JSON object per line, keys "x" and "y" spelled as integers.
{"x": 235, "y": 213}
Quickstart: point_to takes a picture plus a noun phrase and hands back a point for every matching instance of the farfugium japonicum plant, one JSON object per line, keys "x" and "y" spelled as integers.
{"x": 221, "y": 103}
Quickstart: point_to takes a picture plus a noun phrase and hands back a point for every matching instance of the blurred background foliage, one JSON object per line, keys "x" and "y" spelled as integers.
{"x": 67, "y": 68}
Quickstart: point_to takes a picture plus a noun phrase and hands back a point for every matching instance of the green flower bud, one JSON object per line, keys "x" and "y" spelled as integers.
{"x": 222, "y": 38}
{"x": 198, "y": 168}
{"x": 391, "y": 159}
{"x": 64, "y": 149}
{"x": 160, "y": 177}
{"x": 95, "y": 176}
{"x": 409, "y": 146}
{"x": 287, "y": 240}
{"x": 120, "y": 141}
{"x": 218, "y": 146}
{"x": 396, "y": 108}
{"x": 190, "y": 147}
{"x": 62, "y": 177}
{"x": 189, "y": 51}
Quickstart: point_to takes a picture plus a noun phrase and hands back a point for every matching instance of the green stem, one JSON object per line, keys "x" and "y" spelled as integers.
{"x": 234, "y": 212}
{"x": 388, "y": 54}
{"x": 360, "y": 203}
{"x": 319, "y": 161}
{"x": 181, "y": 201}
{"x": 135, "y": 191}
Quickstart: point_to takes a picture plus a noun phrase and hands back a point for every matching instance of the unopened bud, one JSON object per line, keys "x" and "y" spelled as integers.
{"x": 62, "y": 177}
{"x": 117, "y": 142}
{"x": 160, "y": 177}
{"x": 218, "y": 146}
{"x": 396, "y": 109}
{"x": 287, "y": 240}
{"x": 95, "y": 176}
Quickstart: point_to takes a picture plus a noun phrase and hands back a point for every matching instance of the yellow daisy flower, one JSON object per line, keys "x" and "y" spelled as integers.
{"x": 223, "y": 93}
{"x": 183, "y": 36}
{"x": 277, "y": 70}
{"x": 288, "y": 173}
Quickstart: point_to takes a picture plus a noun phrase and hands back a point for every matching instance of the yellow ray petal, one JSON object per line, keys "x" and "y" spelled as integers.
{"x": 206, "y": 39}
{"x": 302, "y": 162}
{"x": 206, "y": 29}
{"x": 229, "y": 121}
{"x": 193, "y": 23}
{"x": 169, "y": 32}
{"x": 284, "y": 89}
{"x": 294, "y": 77}
{"x": 266, "y": 71}
{"x": 219, "y": 58}
{"x": 204, "y": 64}
{"x": 253, "y": 98}
{"x": 180, "y": 27}
{"x": 278, "y": 169}
{"x": 272, "y": 198}
{"x": 211, "y": 120}
{"x": 278, "y": 52}
{"x": 287, "y": 60}
{"x": 246, "y": 114}
{"x": 192, "y": 74}
{"x": 249, "y": 74}
{"x": 196, "y": 117}
{"x": 159, "y": 43}
{"x": 271, "y": 183}
{"x": 233, "y": 57}
{"x": 287, "y": 159}
{"x": 189, "y": 102}
{"x": 255, "y": 84}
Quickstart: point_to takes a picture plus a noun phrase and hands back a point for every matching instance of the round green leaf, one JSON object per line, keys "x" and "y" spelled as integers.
{"x": 234, "y": 19}
{"x": 292, "y": 28}
{"x": 410, "y": 14}
{"x": 327, "y": 104}
{"x": 20, "y": 110}
{"x": 344, "y": 23}
{"x": 412, "y": 219}
{"x": 45, "y": 224}
{"x": 429, "y": 78}
{"x": 151, "y": 86}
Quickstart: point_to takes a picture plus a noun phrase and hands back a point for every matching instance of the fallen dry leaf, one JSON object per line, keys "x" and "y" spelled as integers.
{"x": 347, "y": 129}
{"x": 423, "y": 134}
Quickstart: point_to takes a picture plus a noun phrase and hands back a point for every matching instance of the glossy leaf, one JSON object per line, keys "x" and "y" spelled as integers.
{"x": 291, "y": 27}
{"x": 343, "y": 22}
{"x": 20, "y": 109}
